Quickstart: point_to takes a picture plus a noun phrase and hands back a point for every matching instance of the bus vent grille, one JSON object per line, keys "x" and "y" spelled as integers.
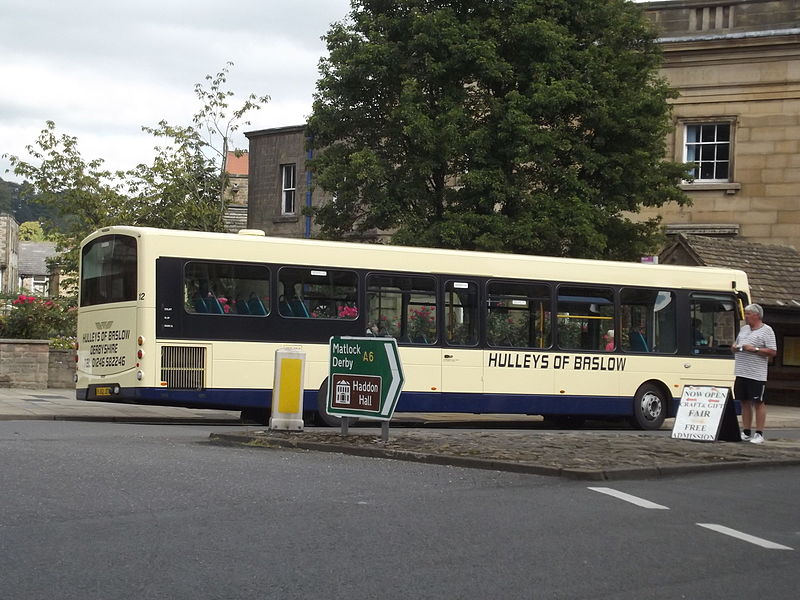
{"x": 183, "y": 367}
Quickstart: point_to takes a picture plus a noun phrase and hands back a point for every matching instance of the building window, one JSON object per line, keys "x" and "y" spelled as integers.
{"x": 288, "y": 189}
{"x": 39, "y": 285}
{"x": 708, "y": 146}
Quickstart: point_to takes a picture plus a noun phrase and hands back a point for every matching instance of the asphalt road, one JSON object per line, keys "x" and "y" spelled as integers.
{"x": 98, "y": 510}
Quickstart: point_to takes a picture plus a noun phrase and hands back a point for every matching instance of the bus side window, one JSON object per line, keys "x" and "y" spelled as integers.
{"x": 648, "y": 320}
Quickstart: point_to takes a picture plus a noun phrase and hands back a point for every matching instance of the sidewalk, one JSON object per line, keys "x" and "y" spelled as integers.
{"x": 61, "y": 405}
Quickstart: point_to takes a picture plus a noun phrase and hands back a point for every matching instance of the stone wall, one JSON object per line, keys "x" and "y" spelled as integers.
{"x": 61, "y": 369}
{"x": 31, "y": 364}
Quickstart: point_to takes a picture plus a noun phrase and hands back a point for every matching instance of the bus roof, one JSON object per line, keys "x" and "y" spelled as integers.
{"x": 309, "y": 252}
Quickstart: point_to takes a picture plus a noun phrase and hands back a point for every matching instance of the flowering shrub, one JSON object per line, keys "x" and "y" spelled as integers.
{"x": 223, "y": 302}
{"x": 348, "y": 312}
{"x": 32, "y": 317}
{"x": 422, "y": 324}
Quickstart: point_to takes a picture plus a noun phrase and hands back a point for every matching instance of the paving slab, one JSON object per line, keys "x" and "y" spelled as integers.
{"x": 587, "y": 455}
{"x": 61, "y": 405}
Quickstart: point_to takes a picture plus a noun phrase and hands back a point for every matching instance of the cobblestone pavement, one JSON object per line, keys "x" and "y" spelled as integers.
{"x": 575, "y": 454}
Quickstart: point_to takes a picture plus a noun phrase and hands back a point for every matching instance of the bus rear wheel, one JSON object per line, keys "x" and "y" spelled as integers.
{"x": 649, "y": 407}
{"x": 323, "y": 418}
{"x": 259, "y": 416}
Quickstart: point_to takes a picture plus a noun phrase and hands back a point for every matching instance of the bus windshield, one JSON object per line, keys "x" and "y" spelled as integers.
{"x": 108, "y": 270}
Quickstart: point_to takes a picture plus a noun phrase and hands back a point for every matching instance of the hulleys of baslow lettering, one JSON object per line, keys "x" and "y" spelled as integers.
{"x": 706, "y": 413}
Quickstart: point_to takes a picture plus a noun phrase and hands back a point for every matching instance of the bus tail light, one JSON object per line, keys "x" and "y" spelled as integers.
{"x": 139, "y": 375}
{"x": 140, "y": 340}
{"x": 140, "y": 354}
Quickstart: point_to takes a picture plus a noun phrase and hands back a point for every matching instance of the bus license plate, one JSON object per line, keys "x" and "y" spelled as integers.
{"x": 102, "y": 391}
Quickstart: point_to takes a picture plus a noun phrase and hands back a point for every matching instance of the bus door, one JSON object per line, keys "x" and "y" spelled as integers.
{"x": 711, "y": 331}
{"x": 588, "y": 371}
{"x": 461, "y": 358}
{"x": 518, "y": 363}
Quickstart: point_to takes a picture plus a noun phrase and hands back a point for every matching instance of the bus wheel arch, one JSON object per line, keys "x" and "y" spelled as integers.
{"x": 650, "y": 405}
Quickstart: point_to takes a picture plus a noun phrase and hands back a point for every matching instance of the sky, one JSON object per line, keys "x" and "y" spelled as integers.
{"x": 102, "y": 69}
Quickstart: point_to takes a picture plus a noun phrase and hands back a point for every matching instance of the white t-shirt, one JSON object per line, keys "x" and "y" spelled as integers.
{"x": 750, "y": 364}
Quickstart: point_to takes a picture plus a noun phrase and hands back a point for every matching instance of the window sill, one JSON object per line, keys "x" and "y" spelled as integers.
{"x": 728, "y": 187}
{"x": 285, "y": 219}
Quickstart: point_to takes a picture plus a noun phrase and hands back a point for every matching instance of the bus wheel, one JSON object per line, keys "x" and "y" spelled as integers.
{"x": 323, "y": 418}
{"x": 255, "y": 415}
{"x": 649, "y": 407}
{"x": 565, "y": 421}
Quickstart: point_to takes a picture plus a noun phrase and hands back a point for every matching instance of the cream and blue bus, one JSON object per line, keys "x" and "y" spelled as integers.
{"x": 193, "y": 319}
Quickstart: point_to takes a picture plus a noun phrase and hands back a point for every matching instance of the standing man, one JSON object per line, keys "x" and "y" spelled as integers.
{"x": 754, "y": 346}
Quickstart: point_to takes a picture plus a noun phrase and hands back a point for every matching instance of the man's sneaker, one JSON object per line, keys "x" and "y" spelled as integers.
{"x": 757, "y": 439}
{"x": 745, "y": 437}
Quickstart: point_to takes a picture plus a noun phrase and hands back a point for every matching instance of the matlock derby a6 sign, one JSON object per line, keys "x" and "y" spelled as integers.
{"x": 365, "y": 377}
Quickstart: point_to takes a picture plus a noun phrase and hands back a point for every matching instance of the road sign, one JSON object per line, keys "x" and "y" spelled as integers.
{"x": 365, "y": 377}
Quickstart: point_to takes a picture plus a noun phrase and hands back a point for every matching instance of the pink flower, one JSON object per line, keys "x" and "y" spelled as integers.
{"x": 348, "y": 312}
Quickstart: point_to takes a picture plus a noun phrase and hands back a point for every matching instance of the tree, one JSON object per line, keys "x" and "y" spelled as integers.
{"x": 528, "y": 126}
{"x": 31, "y": 231}
{"x": 181, "y": 189}
{"x": 87, "y": 196}
{"x": 198, "y": 151}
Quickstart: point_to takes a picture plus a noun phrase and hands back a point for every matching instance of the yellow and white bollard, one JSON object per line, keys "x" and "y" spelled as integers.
{"x": 287, "y": 391}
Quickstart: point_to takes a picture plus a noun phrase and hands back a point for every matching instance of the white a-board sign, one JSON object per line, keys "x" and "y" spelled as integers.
{"x": 706, "y": 413}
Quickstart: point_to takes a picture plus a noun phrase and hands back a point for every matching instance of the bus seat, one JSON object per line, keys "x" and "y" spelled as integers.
{"x": 638, "y": 343}
{"x": 257, "y": 307}
{"x": 214, "y": 306}
{"x": 299, "y": 309}
{"x": 241, "y": 307}
{"x": 198, "y": 305}
{"x": 283, "y": 307}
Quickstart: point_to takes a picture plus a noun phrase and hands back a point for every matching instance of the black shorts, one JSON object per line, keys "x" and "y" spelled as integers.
{"x": 749, "y": 390}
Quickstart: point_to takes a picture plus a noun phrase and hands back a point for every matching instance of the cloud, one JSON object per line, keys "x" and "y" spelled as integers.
{"x": 102, "y": 70}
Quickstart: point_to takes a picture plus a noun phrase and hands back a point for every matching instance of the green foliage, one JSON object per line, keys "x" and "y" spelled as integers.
{"x": 33, "y": 317}
{"x": 186, "y": 181}
{"x": 24, "y": 209}
{"x": 31, "y": 231}
{"x": 531, "y": 126}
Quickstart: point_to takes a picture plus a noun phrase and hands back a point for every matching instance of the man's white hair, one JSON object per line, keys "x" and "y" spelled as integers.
{"x": 755, "y": 308}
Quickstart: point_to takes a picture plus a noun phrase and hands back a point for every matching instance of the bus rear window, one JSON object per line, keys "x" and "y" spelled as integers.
{"x": 108, "y": 270}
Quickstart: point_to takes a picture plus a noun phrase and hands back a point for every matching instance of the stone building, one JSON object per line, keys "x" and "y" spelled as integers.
{"x": 9, "y": 254}
{"x": 280, "y": 185}
{"x": 35, "y": 276}
{"x": 736, "y": 65}
{"x": 235, "y": 194}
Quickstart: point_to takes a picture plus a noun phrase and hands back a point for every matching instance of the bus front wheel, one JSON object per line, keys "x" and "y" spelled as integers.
{"x": 649, "y": 407}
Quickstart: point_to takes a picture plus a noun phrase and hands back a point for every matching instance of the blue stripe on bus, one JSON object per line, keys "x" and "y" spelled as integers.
{"x": 238, "y": 399}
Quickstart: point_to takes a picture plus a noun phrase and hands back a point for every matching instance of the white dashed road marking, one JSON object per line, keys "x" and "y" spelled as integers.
{"x": 745, "y": 537}
{"x": 628, "y": 498}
